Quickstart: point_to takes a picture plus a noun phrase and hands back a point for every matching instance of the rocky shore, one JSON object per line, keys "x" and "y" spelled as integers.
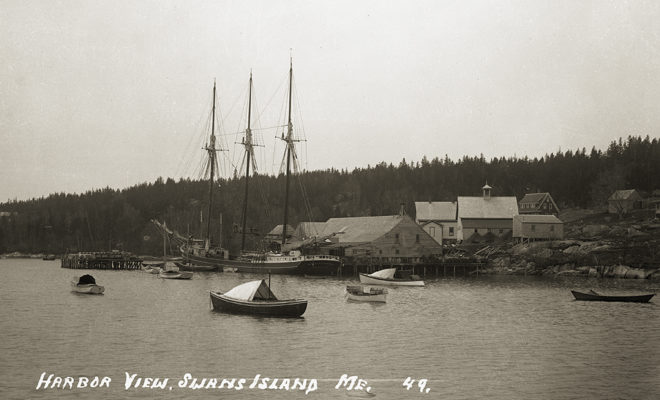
{"x": 599, "y": 245}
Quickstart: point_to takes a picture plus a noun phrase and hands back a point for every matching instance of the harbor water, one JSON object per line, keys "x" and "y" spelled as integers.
{"x": 486, "y": 337}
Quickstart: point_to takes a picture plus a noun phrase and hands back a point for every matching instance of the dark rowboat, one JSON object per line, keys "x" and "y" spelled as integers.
{"x": 593, "y": 296}
{"x": 256, "y": 298}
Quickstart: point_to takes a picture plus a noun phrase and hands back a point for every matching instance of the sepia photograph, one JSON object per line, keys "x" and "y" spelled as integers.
{"x": 288, "y": 199}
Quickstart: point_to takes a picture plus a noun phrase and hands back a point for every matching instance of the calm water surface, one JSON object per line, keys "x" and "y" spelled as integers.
{"x": 473, "y": 338}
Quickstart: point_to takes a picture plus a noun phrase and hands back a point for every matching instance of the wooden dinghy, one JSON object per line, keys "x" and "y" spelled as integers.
{"x": 594, "y": 296}
{"x": 361, "y": 293}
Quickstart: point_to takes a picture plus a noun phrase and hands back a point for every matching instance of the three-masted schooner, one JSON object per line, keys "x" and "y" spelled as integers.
{"x": 204, "y": 253}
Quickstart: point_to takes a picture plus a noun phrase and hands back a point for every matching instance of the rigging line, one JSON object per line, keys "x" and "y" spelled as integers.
{"x": 306, "y": 203}
{"x": 301, "y": 127}
{"x": 188, "y": 153}
{"x": 263, "y": 110}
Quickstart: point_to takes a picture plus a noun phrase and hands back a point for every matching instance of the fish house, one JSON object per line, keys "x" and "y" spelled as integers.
{"x": 438, "y": 219}
{"x": 537, "y": 227}
{"x": 393, "y": 239}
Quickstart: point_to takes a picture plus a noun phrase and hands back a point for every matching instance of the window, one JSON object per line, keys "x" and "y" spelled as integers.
{"x": 501, "y": 230}
{"x": 476, "y": 230}
{"x": 451, "y": 231}
{"x": 396, "y": 251}
{"x": 432, "y": 231}
{"x": 396, "y": 238}
{"x": 533, "y": 228}
{"x": 417, "y": 238}
{"x": 552, "y": 228}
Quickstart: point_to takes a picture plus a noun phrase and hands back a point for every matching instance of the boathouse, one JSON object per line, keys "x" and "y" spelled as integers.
{"x": 537, "y": 227}
{"x": 538, "y": 203}
{"x": 438, "y": 219}
{"x": 382, "y": 240}
{"x": 486, "y": 217}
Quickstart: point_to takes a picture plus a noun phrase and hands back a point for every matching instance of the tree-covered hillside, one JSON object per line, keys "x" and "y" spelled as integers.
{"x": 105, "y": 219}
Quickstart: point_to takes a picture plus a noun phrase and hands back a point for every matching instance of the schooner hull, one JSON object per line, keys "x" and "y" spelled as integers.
{"x": 319, "y": 265}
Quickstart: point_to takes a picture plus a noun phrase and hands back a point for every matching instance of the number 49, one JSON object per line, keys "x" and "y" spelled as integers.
{"x": 421, "y": 384}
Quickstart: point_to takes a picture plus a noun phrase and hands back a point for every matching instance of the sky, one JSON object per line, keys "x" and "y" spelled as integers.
{"x": 98, "y": 94}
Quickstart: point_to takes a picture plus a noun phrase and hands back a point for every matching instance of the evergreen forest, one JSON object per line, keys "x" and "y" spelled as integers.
{"x": 121, "y": 219}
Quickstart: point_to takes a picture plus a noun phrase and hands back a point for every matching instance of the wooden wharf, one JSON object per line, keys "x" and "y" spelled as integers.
{"x": 114, "y": 260}
{"x": 438, "y": 268}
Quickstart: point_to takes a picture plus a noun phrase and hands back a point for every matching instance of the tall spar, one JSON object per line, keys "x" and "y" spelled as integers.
{"x": 211, "y": 149}
{"x": 249, "y": 150}
{"x": 289, "y": 147}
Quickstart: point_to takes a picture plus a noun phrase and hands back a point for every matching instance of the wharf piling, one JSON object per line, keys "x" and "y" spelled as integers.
{"x": 114, "y": 260}
{"x": 440, "y": 268}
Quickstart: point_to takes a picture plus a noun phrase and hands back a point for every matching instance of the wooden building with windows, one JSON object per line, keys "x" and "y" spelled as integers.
{"x": 537, "y": 227}
{"x": 624, "y": 201}
{"x": 438, "y": 219}
{"x": 382, "y": 240}
{"x": 538, "y": 203}
{"x": 485, "y": 216}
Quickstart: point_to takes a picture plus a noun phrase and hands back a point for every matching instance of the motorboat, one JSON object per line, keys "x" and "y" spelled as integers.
{"x": 256, "y": 298}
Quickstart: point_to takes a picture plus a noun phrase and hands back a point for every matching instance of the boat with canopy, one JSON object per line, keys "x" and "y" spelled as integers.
{"x": 256, "y": 298}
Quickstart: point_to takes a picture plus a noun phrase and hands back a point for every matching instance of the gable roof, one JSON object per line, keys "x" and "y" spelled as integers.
{"x": 630, "y": 194}
{"x": 435, "y": 210}
{"x": 503, "y": 207}
{"x": 309, "y": 229}
{"x": 277, "y": 231}
{"x": 361, "y": 229}
{"x": 534, "y": 197}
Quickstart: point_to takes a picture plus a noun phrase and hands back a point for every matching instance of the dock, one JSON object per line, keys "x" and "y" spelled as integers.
{"x": 114, "y": 260}
{"x": 436, "y": 268}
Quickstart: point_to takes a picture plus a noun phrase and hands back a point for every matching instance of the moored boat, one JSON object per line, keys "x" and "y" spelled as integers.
{"x": 386, "y": 277}
{"x": 256, "y": 298}
{"x": 171, "y": 271}
{"x": 187, "y": 266}
{"x": 203, "y": 252}
{"x": 86, "y": 284}
{"x": 361, "y": 293}
{"x": 594, "y": 296}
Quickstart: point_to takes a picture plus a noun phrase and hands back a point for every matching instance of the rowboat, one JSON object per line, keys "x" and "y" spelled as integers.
{"x": 386, "y": 277}
{"x": 594, "y": 296}
{"x": 361, "y": 293}
{"x": 171, "y": 271}
{"x": 86, "y": 284}
{"x": 256, "y": 298}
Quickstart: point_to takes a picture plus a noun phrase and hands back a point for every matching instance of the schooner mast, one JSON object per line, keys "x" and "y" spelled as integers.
{"x": 249, "y": 152}
{"x": 289, "y": 148}
{"x": 211, "y": 167}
